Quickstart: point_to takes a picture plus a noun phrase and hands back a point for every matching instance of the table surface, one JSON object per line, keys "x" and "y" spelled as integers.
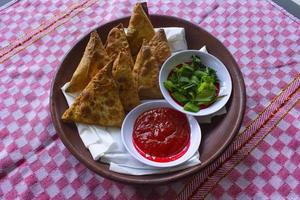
{"x": 261, "y": 163}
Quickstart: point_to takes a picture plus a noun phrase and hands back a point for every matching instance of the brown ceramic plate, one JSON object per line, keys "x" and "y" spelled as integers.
{"x": 215, "y": 136}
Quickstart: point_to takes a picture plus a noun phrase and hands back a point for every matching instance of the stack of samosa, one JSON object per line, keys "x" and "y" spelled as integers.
{"x": 109, "y": 80}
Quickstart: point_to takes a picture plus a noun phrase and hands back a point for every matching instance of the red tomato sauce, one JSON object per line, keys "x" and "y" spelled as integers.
{"x": 161, "y": 134}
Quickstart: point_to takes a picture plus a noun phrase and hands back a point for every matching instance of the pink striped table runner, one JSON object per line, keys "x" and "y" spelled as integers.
{"x": 263, "y": 160}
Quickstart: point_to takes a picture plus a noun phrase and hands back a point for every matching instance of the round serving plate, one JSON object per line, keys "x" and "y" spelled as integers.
{"x": 215, "y": 136}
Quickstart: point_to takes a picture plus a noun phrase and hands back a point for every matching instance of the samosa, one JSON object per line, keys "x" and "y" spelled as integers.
{"x": 122, "y": 73}
{"x": 99, "y": 103}
{"x": 145, "y": 73}
{"x": 160, "y": 47}
{"x": 139, "y": 29}
{"x": 148, "y": 63}
{"x": 116, "y": 41}
{"x": 93, "y": 59}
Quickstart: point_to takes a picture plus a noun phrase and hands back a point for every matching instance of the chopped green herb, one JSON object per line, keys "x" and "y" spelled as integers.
{"x": 180, "y": 97}
{"x": 191, "y": 107}
{"x": 169, "y": 85}
{"x": 193, "y": 84}
{"x": 184, "y": 79}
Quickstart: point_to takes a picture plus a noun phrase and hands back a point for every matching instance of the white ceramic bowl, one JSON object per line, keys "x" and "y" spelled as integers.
{"x": 127, "y": 131}
{"x": 208, "y": 60}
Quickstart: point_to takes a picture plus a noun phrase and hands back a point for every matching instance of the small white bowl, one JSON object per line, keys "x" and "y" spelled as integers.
{"x": 208, "y": 60}
{"x": 127, "y": 131}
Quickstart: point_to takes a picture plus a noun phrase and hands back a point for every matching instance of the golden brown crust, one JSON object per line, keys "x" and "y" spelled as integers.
{"x": 160, "y": 47}
{"x": 148, "y": 63}
{"x": 145, "y": 73}
{"x": 116, "y": 41}
{"x": 93, "y": 59}
{"x": 139, "y": 28}
{"x": 123, "y": 76}
{"x": 99, "y": 103}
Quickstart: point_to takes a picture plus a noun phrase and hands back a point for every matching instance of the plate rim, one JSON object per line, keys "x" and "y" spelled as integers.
{"x": 130, "y": 179}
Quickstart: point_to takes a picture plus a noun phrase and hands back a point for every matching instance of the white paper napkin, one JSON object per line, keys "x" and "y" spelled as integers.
{"x": 105, "y": 143}
{"x": 176, "y": 38}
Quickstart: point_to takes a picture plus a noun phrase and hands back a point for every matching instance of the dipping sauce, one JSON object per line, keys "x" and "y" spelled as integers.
{"x": 161, "y": 134}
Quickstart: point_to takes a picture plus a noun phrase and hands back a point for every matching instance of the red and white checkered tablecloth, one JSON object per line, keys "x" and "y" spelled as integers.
{"x": 263, "y": 162}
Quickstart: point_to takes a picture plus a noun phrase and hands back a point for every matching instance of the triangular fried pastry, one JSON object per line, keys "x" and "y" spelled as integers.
{"x": 99, "y": 103}
{"x": 139, "y": 28}
{"x": 93, "y": 59}
{"x": 122, "y": 73}
{"x": 160, "y": 47}
{"x": 116, "y": 41}
{"x": 145, "y": 73}
{"x": 148, "y": 63}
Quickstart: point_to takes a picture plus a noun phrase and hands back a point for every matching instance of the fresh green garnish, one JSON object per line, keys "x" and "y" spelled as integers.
{"x": 191, "y": 107}
{"x": 193, "y": 85}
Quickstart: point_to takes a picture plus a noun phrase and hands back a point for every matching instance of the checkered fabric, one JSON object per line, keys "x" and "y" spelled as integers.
{"x": 271, "y": 170}
{"x": 264, "y": 39}
{"x": 21, "y": 18}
